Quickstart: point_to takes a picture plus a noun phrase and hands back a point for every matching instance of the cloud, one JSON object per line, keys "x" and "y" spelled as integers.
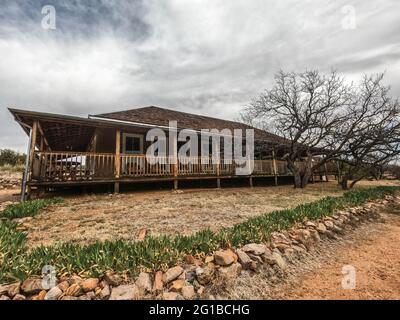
{"x": 203, "y": 56}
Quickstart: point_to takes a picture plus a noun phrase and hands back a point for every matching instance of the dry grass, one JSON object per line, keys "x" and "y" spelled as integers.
{"x": 84, "y": 219}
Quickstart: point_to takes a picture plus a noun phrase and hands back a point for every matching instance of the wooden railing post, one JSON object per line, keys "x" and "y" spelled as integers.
{"x": 274, "y": 167}
{"x": 117, "y": 159}
{"x": 217, "y": 169}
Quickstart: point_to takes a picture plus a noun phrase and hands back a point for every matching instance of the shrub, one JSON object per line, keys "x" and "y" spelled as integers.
{"x": 10, "y": 157}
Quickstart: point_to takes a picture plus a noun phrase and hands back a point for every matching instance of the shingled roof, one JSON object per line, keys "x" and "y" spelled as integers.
{"x": 161, "y": 117}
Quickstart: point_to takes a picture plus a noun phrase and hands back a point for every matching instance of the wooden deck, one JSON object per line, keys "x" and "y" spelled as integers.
{"x": 69, "y": 168}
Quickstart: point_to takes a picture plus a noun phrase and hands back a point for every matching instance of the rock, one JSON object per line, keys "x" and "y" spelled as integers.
{"x": 73, "y": 290}
{"x": 142, "y": 234}
{"x": 64, "y": 285}
{"x": 125, "y": 292}
{"x": 89, "y": 284}
{"x": 158, "y": 282}
{"x": 254, "y": 248}
{"x": 338, "y": 230}
{"x": 282, "y": 246}
{"x": 279, "y": 261}
{"x": 144, "y": 282}
{"x": 75, "y": 279}
{"x": 190, "y": 276}
{"x": 113, "y": 279}
{"x": 330, "y": 235}
{"x": 315, "y": 236}
{"x": 200, "y": 291}
{"x": 310, "y": 224}
{"x": 97, "y": 291}
{"x": 329, "y": 224}
{"x": 244, "y": 259}
{"x": 225, "y": 257}
{"x": 189, "y": 259}
{"x": 177, "y": 285}
{"x": 3, "y": 289}
{"x": 10, "y": 289}
{"x": 209, "y": 259}
{"x": 40, "y": 295}
{"x": 303, "y": 236}
{"x": 321, "y": 228}
{"x": 4, "y": 297}
{"x": 84, "y": 297}
{"x": 53, "y": 294}
{"x": 256, "y": 259}
{"x": 19, "y": 297}
{"x": 32, "y": 286}
{"x": 91, "y": 295}
{"x": 268, "y": 257}
{"x": 231, "y": 271}
{"x": 171, "y": 296}
{"x": 105, "y": 292}
{"x": 172, "y": 274}
{"x": 188, "y": 292}
{"x": 205, "y": 275}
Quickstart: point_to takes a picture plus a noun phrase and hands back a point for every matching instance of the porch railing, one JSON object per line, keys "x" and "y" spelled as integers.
{"x": 83, "y": 166}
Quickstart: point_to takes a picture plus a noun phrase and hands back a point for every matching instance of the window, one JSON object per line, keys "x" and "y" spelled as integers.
{"x": 133, "y": 143}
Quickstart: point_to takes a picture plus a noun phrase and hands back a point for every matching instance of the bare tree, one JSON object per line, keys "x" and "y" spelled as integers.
{"x": 322, "y": 115}
{"x": 305, "y": 108}
{"x": 374, "y": 119}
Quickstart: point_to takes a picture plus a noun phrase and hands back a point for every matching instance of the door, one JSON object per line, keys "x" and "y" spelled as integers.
{"x": 132, "y": 144}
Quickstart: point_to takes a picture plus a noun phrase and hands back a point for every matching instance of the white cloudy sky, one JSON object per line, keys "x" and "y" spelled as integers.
{"x": 203, "y": 56}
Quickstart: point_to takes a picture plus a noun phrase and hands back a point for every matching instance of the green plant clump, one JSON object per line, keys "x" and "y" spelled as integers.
{"x": 27, "y": 208}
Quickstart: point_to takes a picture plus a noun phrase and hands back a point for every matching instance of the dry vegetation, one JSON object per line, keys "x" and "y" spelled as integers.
{"x": 84, "y": 219}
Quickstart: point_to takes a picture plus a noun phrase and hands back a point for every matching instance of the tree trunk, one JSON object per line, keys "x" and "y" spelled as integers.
{"x": 344, "y": 182}
{"x": 353, "y": 183}
{"x": 296, "y": 174}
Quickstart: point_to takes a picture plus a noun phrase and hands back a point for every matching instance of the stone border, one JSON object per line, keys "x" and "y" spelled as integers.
{"x": 193, "y": 278}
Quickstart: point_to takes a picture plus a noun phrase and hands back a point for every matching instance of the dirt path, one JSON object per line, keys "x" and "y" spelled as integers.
{"x": 373, "y": 250}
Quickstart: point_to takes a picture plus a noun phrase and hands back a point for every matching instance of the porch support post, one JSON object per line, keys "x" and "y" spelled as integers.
{"x": 274, "y": 167}
{"x": 174, "y": 151}
{"x": 117, "y": 159}
{"x": 31, "y": 155}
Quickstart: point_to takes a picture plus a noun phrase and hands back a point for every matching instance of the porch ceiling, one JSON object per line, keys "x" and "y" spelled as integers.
{"x": 61, "y": 133}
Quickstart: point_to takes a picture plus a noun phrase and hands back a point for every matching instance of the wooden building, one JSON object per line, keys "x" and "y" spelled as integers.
{"x": 110, "y": 148}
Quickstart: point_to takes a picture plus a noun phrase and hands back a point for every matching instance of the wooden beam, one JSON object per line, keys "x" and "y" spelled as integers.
{"x": 42, "y": 135}
{"x": 117, "y": 153}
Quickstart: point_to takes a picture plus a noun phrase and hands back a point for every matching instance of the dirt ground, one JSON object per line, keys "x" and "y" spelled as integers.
{"x": 373, "y": 250}
{"x": 85, "y": 219}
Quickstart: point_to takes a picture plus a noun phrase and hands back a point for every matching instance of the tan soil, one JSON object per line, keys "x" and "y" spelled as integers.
{"x": 374, "y": 251}
{"x": 85, "y": 219}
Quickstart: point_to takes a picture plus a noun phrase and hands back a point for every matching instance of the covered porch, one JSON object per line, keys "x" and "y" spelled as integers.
{"x": 66, "y": 151}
